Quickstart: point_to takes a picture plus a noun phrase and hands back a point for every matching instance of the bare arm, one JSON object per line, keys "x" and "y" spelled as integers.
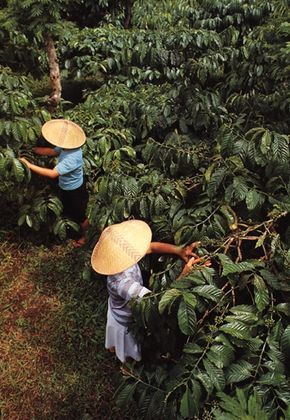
{"x": 164, "y": 248}
{"x": 45, "y": 151}
{"x": 185, "y": 253}
{"x": 49, "y": 173}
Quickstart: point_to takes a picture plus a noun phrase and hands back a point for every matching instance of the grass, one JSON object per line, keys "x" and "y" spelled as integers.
{"x": 53, "y": 364}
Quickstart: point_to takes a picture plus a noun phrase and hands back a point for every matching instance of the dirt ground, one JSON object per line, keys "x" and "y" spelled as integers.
{"x": 53, "y": 364}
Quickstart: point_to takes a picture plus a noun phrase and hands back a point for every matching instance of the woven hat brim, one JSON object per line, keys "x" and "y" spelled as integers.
{"x": 63, "y": 133}
{"x": 120, "y": 246}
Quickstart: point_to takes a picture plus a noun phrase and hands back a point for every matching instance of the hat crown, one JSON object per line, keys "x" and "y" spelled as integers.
{"x": 120, "y": 246}
{"x": 125, "y": 244}
{"x": 63, "y": 133}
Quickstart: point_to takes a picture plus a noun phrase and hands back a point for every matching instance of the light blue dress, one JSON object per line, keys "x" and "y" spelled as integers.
{"x": 122, "y": 287}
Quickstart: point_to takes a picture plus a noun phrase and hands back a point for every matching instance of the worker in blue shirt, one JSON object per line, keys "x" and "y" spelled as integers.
{"x": 68, "y": 138}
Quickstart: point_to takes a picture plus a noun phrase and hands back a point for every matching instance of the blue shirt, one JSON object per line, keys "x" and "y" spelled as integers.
{"x": 122, "y": 287}
{"x": 70, "y": 168}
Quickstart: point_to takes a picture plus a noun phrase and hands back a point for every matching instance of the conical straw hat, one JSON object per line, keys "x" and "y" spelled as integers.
{"x": 120, "y": 246}
{"x": 63, "y": 133}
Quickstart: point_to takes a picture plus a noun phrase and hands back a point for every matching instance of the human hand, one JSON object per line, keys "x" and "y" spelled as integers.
{"x": 25, "y": 161}
{"x": 187, "y": 251}
{"x": 25, "y": 149}
{"x": 191, "y": 262}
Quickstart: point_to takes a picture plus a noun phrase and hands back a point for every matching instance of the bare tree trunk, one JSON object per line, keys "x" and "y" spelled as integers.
{"x": 54, "y": 75}
{"x": 128, "y": 13}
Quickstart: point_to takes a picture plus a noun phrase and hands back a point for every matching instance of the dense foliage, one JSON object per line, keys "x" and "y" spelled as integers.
{"x": 188, "y": 131}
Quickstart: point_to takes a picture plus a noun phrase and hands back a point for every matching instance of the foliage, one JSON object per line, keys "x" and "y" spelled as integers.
{"x": 241, "y": 406}
{"x": 189, "y": 133}
{"x": 20, "y": 123}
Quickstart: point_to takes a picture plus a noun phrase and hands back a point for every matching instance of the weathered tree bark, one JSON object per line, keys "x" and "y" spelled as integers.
{"x": 54, "y": 75}
{"x": 128, "y": 13}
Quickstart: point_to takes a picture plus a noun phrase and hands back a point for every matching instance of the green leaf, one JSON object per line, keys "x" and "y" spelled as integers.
{"x": 254, "y": 199}
{"x": 221, "y": 355}
{"x": 231, "y": 407}
{"x": 241, "y": 406}
{"x": 266, "y": 142}
{"x": 242, "y": 398}
{"x": 229, "y": 267}
{"x": 285, "y": 341}
{"x": 280, "y": 148}
{"x": 216, "y": 375}
{"x": 130, "y": 187}
{"x": 206, "y": 381}
{"x": 189, "y": 299}
{"x": 159, "y": 205}
{"x": 186, "y": 318}
{"x": 261, "y": 240}
{"x": 240, "y": 309}
{"x": 215, "y": 181}
{"x": 245, "y": 317}
{"x": 168, "y": 297}
{"x": 156, "y": 405}
{"x": 238, "y": 372}
{"x": 261, "y": 293}
{"x": 144, "y": 208}
{"x": 240, "y": 188}
{"x": 254, "y": 132}
{"x": 271, "y": 280}
{"x": 18, "y": 169}
{"x": 28, "y": 220}
{"x": 187, "y": 405}
{"x": 209, "y": 291}
{"x": 283, "y": 392}
{"x": 192, "y": 348}
{"x": 284, "y": 308}
{"x": 54, "y": 208}
{"x": 21, "y": 220}
{"x": 237, "y": 329}
{"x": 125, "y": 394}
{"x": 208, "y": 172}
{"x": 119, "y": 207}
{"x": 287, "y": 413}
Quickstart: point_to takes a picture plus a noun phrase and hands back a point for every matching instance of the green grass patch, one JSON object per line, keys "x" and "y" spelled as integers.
{"x": 54, "y": 363}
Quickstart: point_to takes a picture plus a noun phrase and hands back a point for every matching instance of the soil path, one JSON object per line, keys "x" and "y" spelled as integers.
{"x": 52, "y": 319}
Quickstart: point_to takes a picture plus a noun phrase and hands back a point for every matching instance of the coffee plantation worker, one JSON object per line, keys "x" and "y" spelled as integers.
{"x": 116, "y": 255}
{"x": 68, "y": 138}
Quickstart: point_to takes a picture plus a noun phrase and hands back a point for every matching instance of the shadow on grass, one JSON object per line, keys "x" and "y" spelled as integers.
{"x": 55, "y": 364}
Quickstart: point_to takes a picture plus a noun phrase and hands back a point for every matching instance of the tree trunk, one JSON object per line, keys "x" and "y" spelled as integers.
{"x": 128, "y": 13}
{"x": 54, "y": 75}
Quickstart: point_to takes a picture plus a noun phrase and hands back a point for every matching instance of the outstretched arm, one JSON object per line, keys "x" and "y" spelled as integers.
{"x": 50, "y": 173}
{"x": 164, "y": 248}
{"x": 45, "y": 151}
{"x": 185, "y": 253}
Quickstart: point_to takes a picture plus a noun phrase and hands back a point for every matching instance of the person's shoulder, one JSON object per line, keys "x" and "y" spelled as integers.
{"x": 133, "y": 269}
{"x": 72, "y": 154}
{"x": 77, "y": 150}
{"x": 77, "y": 153}
{"x": 130, "y": 273}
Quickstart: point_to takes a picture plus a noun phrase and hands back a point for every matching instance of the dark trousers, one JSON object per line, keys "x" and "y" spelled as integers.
{"x": 75, "y": 203}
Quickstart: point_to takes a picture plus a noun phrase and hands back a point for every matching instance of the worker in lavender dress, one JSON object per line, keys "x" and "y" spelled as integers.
{"x": 116, "y": 255}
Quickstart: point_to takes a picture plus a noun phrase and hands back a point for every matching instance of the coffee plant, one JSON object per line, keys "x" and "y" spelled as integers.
{"x": 189, "y": 132}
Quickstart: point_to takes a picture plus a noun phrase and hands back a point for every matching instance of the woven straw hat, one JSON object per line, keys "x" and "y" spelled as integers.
{"x": 120, "y": 246}
{"x": 63, "y": 133}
